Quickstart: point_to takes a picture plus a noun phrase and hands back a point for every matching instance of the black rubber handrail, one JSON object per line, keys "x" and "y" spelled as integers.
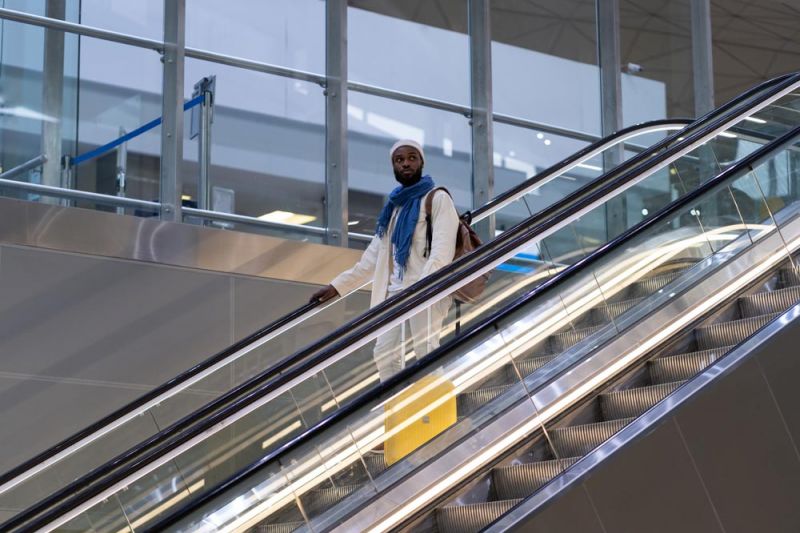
{"x": 294, "y": 315}
{"x": 246, "y": 393}
{"x": 379, "y": 391}
{"x": 501, "y": 198}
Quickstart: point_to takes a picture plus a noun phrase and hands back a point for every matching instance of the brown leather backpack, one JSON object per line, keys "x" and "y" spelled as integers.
{"x": 466, "y": 241}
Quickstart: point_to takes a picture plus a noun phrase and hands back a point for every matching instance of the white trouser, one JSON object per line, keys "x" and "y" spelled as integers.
{"x": 426, "y": 325}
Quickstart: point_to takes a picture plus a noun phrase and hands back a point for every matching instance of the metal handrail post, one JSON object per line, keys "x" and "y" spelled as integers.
{"x": 122, "y": 170}
{"x": 201, "y": 128}
{"x": 24, "y": 167}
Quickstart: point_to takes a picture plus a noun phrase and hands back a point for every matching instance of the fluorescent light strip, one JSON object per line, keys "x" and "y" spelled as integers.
{"x": 279, "y": 435}
{"x": 756, "y": 120}
{"x": 299, "y": 486}
{"x": 349, "y": 392}
{"x": 163, "y": 507}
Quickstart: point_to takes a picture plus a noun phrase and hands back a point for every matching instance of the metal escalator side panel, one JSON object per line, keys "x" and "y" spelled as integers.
{"x": 776, "y": 337}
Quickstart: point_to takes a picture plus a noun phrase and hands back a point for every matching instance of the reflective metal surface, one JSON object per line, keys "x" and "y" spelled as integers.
{"x": 150, "y": 239}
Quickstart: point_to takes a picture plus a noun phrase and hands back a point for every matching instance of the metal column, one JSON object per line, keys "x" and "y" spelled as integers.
{"x": 52, "y": 98}
{"x": 702, "y": 62}
{"x": 480, "y": 47}
{"x": 336, "y": 187}
{"x": 172, "y": 109}
{"x": 610, "y": 63}
{"x": 202, "y": 118}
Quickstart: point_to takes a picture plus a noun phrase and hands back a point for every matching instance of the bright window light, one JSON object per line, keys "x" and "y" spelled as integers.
{"x": 287, "y": 217}
{"x": 447, "y": 147}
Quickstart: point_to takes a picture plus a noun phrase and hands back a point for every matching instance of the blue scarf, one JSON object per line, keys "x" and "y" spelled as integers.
{"x": 408, "y": 200}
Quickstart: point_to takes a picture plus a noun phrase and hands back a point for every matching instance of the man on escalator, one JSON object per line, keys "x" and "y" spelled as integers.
{"x": 401, "y": 254}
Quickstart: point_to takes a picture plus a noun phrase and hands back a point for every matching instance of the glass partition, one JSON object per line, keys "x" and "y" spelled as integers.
{"x": 544, "y": 62}
{"x": 108, "y": 112}
{"x": 374, "y": 124}
{"x": 38, "y": 95}
{"x": 421, "y": 50}
{"x": 144, "y": 19}
{"x": 268, "y": 135}
{"x": 656, "y": 48}
{"x": 288, "y": 34}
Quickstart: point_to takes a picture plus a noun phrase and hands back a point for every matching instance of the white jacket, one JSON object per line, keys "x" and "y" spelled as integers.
{"x": 376, "y": 263}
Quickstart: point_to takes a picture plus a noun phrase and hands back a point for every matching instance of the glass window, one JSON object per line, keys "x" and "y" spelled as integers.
{"x": 752, "y": 42}
{"x": 116, "y": 99}
{"x": 521, "y": 153}
{"x": 374, "y": 126}
{"x": 656, "y": 46}
{"x": 544, "y": 62}
{"x": 29, "y": 86}
{"x": 143, "y": 18}
{"x": 289, "y": 33}
{"x": 268, "y": 145}
{"x": 415, "y": 47}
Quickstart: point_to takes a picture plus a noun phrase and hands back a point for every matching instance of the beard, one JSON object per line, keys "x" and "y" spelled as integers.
{"x": 410, "y": 180}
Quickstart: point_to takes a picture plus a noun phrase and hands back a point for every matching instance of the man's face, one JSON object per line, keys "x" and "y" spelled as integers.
{"x": 407, "y": 165}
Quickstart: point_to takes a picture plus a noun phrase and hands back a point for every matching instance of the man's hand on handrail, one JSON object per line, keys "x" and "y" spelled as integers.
{"x": 324, "y": 294}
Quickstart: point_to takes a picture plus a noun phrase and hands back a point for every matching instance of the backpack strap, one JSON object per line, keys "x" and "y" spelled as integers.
{"x": 428, "y": 220}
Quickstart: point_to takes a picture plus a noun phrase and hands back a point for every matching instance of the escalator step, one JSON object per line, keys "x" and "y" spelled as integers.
{"x": 286, "y": 527}
{"x": 469, "y": 402}
{"x": 648, "y": 286}
{"x": 684, "y": 366}
{"x": 729, "y": 333}
{"x": 576, "y": 441}
{"x": 789, "y": 277}
{"x": 645, "y": 287}
{"x": 528, "y": 365}
{"x": 320, "y": 500}
{"x": 375, "y": 462}
{"x": 354, "y": 474}
{"x": 763, "y": 303}
{"x": 562, "y": 341}
{"x": 471, "y": 518}
{"x": 603, "y": 314}
{"x": 633, "y": 402}
{"x": 520, "y": 481}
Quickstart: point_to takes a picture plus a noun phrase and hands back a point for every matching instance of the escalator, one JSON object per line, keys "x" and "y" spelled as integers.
{"x": 678, "y": 319}
{"x": 334, "y": 373}
{"x": 617, "y": 405}
{"x": 753, "y": 280}
{"x": 50, "y": 471}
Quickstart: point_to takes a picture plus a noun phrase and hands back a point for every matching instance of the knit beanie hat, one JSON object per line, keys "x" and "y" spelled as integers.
{"x": 407, "y": 142}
